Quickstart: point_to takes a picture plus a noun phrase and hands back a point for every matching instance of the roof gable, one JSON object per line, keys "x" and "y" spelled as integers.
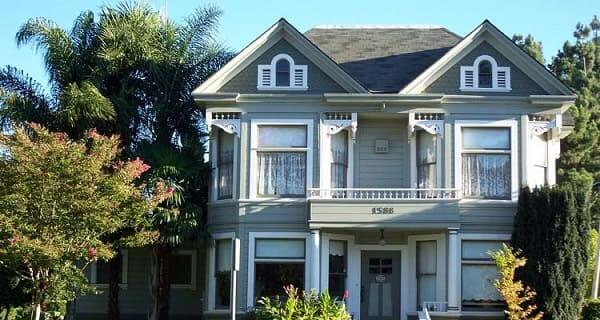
{"x": 280, "y": 30}
{"x": 489, "y": 33}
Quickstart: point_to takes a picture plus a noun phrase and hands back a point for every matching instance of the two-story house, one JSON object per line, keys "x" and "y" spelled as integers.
{"x": 384, "y": 162}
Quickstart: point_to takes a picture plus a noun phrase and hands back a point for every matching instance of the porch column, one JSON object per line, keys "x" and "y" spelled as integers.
{"x": 315, "y": 260}
{"x": 453, "y": 270}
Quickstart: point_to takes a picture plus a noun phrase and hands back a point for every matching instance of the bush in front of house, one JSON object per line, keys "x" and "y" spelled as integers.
{"x": 591, "y": 310}
{"x": 296, "y": 306}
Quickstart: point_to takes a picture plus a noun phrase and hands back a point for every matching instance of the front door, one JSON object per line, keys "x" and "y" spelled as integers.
{"x": 380, "y": 285}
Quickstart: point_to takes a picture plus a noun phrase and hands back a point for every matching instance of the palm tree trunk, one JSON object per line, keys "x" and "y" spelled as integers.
{"x": 114, "y": 277}
{"x": 160, "y": 282}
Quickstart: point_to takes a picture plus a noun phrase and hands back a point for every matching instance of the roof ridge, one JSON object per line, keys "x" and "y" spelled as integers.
{"x": 380, "y": 26}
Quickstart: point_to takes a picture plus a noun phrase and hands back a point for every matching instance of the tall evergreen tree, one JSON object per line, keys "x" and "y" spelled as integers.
{"x": 531, "y": 46}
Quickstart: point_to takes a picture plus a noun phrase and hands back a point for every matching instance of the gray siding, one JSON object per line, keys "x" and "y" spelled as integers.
{"x": 521, "y": 84}
{"x": 382, "y": 170}
{"x": 246, "y": 80}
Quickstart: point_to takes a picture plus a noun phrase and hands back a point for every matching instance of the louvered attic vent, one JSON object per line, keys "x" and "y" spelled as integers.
{"x": 282, "y": 74}
{"x": 485, "y": 75}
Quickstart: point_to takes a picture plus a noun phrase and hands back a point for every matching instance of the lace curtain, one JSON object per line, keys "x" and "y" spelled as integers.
{"x": 339, "y": 160}
{"x": 486, "y": 175}
{"x": 426, "y": 160}
{"x": 225, "y": 165}
{"x": 281, "y": 173}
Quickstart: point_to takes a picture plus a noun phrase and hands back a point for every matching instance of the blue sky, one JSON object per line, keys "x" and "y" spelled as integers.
{"x": 551, "y": 21}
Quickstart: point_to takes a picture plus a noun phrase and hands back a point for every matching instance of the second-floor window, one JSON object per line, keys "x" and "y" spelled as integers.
{"x": 426, "y": 159}
{"x": 225, "y": 165}
{"x": 281, "y": 153}
{"x": 339, "y": 160}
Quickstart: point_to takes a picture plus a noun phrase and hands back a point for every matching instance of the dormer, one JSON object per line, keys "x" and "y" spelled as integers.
{"x": 485, "y": 75}
{"x": 282, "y": 74}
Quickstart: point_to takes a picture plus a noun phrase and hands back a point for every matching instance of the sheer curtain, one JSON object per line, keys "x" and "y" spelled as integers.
{"x": 486, "y": 175}
{"x": 426, "y": 160}
{"x": 339, "y": 160}
{"x": 281, "y": 173}
{"x": 225, "y": 165}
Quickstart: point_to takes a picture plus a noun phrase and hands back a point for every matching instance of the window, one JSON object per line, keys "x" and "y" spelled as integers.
{"x": 478, "y": 274}
{"x": 538, "y": 153}
{"x": 278, "y": 263}
{"x": 99, "y": 271}
{"x": 282, "y": 74}
{"x": 426, "y": 272}
{"x": 225, "y": 169}
{"x": 486, "y": 162}
{"x": 426, "y": 159}
{"x": 339, "y": 160}
{"x": 485, "y": 75}
{"x": 223, "y": 255}
{"x": 337, "y": 268}
{"x": 282, "y": 159}
{"x": 183, "y": 269}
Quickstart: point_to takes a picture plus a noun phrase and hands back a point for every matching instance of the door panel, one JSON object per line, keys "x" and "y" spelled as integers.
{"x": 380, "y": 285}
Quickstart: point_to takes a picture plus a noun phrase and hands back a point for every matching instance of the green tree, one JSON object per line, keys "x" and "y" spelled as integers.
{"x": 552, "y": 230}
{"x": 531, "y": 46}
{"x": 58, "y": 198}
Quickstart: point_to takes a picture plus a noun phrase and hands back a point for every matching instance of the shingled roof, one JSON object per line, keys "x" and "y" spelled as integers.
{"x": 383, "y": 59}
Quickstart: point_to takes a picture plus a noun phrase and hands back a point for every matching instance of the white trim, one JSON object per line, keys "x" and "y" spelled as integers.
{"x": 352, "y": 270}
{"x": 325, "y": 158}
{"x": 214, "y": 156}
{"x": 194, "y": 269}
{"x": 124, "y": 272}
{"x": 438, "y": 157}
{"x": 514, "y": 157}
{"x": 475, "y": 73}
{"x": 272, "y": 69}
{"x": 211, "y": 283}
{"x": 309, "y": 123}
{"x": 252, "y": 236}
{"x": 440, "y": 290}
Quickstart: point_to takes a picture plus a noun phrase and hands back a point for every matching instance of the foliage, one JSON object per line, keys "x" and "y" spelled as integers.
{"x": 58, "y": 198}
{"x": 591, "y": 310}
{"x": 531, "y": 46}
{"x": 515, "y": 294}
{"x": 306, "y": 306}
{"x": 552, "y": 230}
{"x": 13, "y": 293}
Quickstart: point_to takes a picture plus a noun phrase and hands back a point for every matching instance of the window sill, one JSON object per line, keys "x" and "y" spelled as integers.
{"x": 486, "y": 89}
{"x": 282, "y": 88}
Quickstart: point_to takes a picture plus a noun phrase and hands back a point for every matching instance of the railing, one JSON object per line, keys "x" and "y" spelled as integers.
{"x": 435, "y": 306}
{"x": 384, "y": 194}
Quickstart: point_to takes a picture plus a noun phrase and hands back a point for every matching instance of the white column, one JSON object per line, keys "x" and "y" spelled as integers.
{"x": 453, "y": 270}
{"x": 315, "y": 259}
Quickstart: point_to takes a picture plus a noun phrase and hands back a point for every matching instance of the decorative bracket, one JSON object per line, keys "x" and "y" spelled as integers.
{"x": 540, "y": 125}
{"x": 335, "y": 122}
{"x": 432, "y": 123}
{"x": 227, "y": 121}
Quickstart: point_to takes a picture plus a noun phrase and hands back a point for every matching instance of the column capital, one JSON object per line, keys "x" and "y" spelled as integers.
{"x": 453, "y": 230}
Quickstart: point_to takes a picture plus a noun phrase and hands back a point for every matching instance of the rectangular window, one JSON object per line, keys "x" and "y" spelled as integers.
{"x": 478, "y": 275}
{"x": 538, "y": 152}
{"x": 225, "y": 165}
{"x": 281, "y": 160}
{"x": 99, "y": 271}
{"x": 337, "y": 268}
{"x": 183, "y": 269}
{"x": 223, "y": 255}
{"x": 426, "y": 160}
{"x": 278, "y": 263}
{"x": 339, "y": 160}
{"x": 426, "y": 272}
{"x": 486, "y": 162}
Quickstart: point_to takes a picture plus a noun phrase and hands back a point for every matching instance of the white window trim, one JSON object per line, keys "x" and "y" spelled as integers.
{"x": 413, "y": 159}
{"x": 514, "y": 157}
{"x": 273, "y": 71}
{"x": 441, "y": 282}
{"x": 212, "y": 255}
{"x": 252, "y": 236}
{"x": 325, "y": 155}
{"x": 309, "y": 123}
{"x": 124, "y": 271}
{"x": 475, "y": 69}
{"x": 194, "y": 269}
{"x": 214, "y": 156}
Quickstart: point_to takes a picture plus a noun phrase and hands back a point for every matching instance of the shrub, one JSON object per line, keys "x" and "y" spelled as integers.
{"x": 591, "y": 310}
{"x": 305, "y": 306}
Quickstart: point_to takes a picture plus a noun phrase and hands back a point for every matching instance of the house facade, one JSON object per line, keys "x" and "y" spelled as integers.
{"x": 380, "y": 163}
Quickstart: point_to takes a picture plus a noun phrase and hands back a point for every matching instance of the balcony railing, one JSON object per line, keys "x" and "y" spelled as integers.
{"x": 384, "y": 194}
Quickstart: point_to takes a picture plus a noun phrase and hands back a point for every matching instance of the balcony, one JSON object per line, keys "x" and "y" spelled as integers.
{"x": 399, "y": 208}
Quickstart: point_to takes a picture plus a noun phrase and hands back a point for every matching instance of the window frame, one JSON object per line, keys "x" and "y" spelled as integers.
{"x": 254, "y": 149}
{"x": 124, "y": 272}
{"x": 194, "y": 269}
{"x": 441, "y": 267}
{"x": 326, "y": 160}
{"x": 414, "y": 177}
{"x": 474, "y": 68}
{"x": 514, "y": 154}
{"x": 212, "y": 256}
{"x": 272, "y": 68}
{"x": 253, "y": 236}
{"x": 215, "y": 167}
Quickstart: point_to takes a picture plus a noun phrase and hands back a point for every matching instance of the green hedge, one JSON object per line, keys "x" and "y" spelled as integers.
{"x": 591, "y": 310}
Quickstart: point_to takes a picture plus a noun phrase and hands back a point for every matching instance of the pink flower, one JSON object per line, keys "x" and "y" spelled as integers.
{"x": 346, "y": 294}
{"x": 12, "y": 241}
{"x": 91, "y": 252}
{"x": 170, "y": 190}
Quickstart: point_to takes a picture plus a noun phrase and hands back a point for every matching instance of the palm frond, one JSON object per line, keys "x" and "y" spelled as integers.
{"x": 83, "y": 107}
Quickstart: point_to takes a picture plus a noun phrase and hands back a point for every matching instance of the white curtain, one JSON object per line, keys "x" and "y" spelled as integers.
{"x": 281, "y": 173}
{"x": 225, "y": 165}
{"x": 339, "y": 159}
{"x": 486, "y": 175}
{"x": 223, "y": 255}
{"x": 426, "y": 159}
{"x": 478, "y": 283}
{"x": 280, "y": 248}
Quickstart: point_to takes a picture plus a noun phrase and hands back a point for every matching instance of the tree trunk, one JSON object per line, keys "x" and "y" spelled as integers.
{"x": 114, "y": 277}
{"x": 160, "y": 282}
{"x": 37, "y": 312}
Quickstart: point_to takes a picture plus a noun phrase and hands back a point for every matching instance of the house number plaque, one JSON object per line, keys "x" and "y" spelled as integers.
{"x": 382, "y": 210}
